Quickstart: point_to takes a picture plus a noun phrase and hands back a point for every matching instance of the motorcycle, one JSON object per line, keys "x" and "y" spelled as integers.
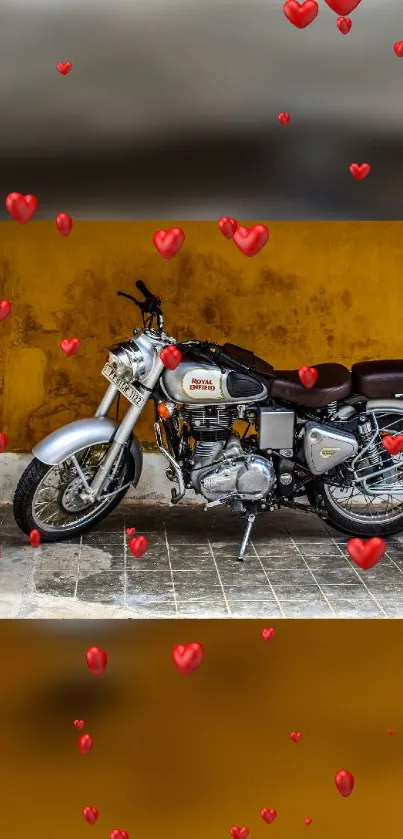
{"x": 233, "y": 430}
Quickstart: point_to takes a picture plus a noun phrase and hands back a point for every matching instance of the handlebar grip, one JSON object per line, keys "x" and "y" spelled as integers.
{"x": 143, "y": 288}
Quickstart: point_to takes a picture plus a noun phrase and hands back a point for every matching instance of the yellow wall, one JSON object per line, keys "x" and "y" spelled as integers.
{"x": 319, "y": 291}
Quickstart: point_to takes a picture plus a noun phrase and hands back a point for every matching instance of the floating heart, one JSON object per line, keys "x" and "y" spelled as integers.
{"x": 308, "y": 376}
{"x": 64, "y": 224}
{"x": 188, "y": 657}
{"x": 360, "y": 171}
{"x": 79, "y": 723}
{"x": 64, "y": 67}
{"x": 171, "y": 357}
{"x": 130, "y": 531}
{"x": 35, "y": 538}
{"x": 119, "y": 834}
{"x": 344, "y": 783}
{"x": 398, "y": 48}
{"x": 5, "y": 309}
{"x": 391, "y": 730}
{"x": 308, "y": 820}
{"x": 227, "y": 226}
{"x": 85, "y": 744}
{"x": 169, "y": 242}
{"x": 283, "y": 118}
{"x": 97, "y": 660}
{"x": 138, "y": 546}
{"x": 295, "y": 736}
{"x": 21, "y": 207}
{"x": 366, "y": 554}
{"x": 70, "y": 346}
{"x": 91, "y": 814}
{"x": 268, "y": 816}
{"x": 239, "y": 832}
{"x": 301, "y": 14}
{"x": 268, "y": 634}
{"x": 393, "y": 444}
{"x": 343, "y": 7}
{"x": 251, "y": 240}
{"x": 3, "y": 442}
{"x": 344, "y": 25}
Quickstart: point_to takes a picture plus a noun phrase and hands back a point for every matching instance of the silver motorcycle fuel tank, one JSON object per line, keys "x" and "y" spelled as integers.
{"x": 201, "y": 384}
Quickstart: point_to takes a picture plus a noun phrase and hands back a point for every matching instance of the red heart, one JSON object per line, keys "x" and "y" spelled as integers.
{"x": 268, "y": 634}
{"x": 130, "y": 531}
{"x": 21, "y": 207}
{"x": 343, "y": 7}
{"x": 308, "y": 376}
{"x": 344, "y": 783}
{"x": 283, "y": 118}
{"x": 79, "y": 723}
{"x": 239, "y": 832}
{"x": 251, "y": 240}
{"x": 70, "y": 346}
{"x": 301, "y": 14}
{"x": 393, "y": 444}
{"x": 169, "y": 242}
{"x": 64, "y": 67}
{"x": 119, "y": 834}
{"x": 366, "y": 554}
{"x": 5, "y": 309}
{"x": 227, "y": 226}
{"x": 91, "y": 814}
{"x": 360, "y": 171}
{"x": 35, "y": 538}
{"x": 138, "y": 546}
{"x": 398, "y": 48}
{"x": 268, "y": 816}
{"x": 391, "y": 730}
{"x": 97, "y": 660}
{"x": 171, "y": 357}
{"x": 344, "y": 25}
{"x": 3, "y": 442}
{"x": 295, "y": 736}
{"x": 85, "y": 744}
{"x": 308, "y": 820}
{"x": 64, "y": 224}
{"x": 188, "y": 657}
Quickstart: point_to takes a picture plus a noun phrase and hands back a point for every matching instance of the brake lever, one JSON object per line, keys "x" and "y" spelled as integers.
{"x": 129, "y": 297}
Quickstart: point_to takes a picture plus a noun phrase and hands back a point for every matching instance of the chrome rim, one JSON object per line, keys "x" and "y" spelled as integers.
{"x": 362, "y": 508}
{"x": 56, "y": 505}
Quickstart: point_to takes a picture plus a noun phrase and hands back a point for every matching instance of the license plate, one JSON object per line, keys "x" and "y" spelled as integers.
{"x": 128, "y": 390}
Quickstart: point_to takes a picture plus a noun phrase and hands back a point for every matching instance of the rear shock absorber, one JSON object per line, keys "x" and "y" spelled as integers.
{"x": 367, "y": 432}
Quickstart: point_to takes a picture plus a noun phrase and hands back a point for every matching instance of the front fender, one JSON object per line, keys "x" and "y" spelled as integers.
{"x": 75, "y": 436}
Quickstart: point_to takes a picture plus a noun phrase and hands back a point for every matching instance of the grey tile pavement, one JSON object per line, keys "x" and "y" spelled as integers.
{"x": 295, "y": 567}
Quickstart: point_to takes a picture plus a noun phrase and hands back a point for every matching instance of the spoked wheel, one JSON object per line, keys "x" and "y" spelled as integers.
{"x": 354, "y": 510}
{"x": 48, "y": 498}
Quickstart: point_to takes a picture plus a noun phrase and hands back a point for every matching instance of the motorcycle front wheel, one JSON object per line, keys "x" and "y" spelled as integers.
{"x": 47, "y": 498}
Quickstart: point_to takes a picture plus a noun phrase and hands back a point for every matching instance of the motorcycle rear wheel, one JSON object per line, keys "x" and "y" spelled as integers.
{"x": 70, "y": 524}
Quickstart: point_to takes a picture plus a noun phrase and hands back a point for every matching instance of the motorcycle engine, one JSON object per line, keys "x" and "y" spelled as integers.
{"x": 221, "y": 468}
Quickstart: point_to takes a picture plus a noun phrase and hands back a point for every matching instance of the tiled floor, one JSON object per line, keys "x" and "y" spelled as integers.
{"x": 295, "y": 567}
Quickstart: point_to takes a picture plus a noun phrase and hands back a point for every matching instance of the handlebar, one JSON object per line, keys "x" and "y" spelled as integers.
{"x": 143, "y": 289}
{"x": 150, "y": 306}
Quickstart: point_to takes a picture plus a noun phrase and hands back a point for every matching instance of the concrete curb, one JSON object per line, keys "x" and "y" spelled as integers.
{"x": 153, "y": 488}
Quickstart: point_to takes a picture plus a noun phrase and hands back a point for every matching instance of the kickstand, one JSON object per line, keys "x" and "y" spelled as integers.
{"x": 245, "y": 540}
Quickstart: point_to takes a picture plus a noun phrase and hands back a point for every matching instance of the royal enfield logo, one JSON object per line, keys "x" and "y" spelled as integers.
{"x": 329, "y": 452}
{"x": 202, "y": 384}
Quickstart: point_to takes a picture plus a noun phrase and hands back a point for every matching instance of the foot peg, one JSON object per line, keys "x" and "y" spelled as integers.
{"x": 245, "y": 540}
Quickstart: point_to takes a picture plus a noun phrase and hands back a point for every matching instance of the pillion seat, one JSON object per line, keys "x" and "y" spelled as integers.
{"x": 378, "y": 379}
{"x": 334, "y": 383}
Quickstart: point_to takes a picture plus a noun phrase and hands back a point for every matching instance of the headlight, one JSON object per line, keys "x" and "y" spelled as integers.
{"x": 127, "y": 361}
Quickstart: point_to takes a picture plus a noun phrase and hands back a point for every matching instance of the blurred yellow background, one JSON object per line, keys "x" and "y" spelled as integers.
{"x": 318, "y": 291}
{"x": 189, "y": 756}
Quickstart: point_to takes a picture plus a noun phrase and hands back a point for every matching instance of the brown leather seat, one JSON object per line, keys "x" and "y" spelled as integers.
{"x": 378, "y": 379}
{"x": 333, "y": 383}
{"x": 248, "y": 359}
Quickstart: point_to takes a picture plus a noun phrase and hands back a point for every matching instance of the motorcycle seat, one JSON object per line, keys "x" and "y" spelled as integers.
{"x": 378, "y": 379}
{"x": 333, "y": 384}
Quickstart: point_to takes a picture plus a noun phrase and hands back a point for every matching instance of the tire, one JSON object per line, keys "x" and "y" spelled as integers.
{"x": 344, "y": 524}
{"x": 32, "y": 477}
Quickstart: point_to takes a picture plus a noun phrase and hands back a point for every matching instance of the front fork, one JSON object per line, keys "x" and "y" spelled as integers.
{"x": 125, "y": 428}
